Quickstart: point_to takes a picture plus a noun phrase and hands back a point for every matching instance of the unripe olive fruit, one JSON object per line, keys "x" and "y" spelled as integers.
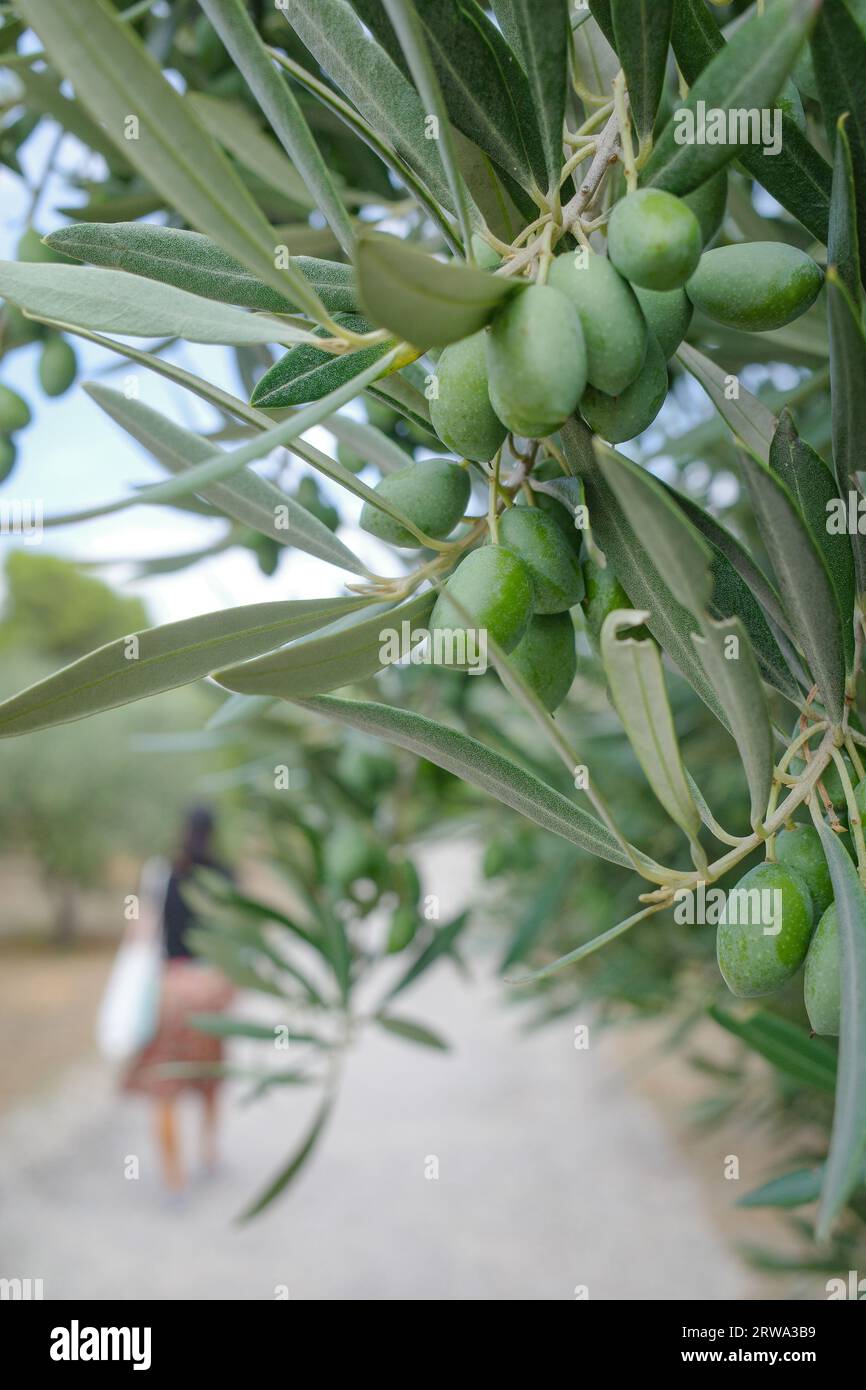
{"x": 536, "y": 361}
{"x": 57, "y": 366}
{"x": 822, "y": 982}
{"x": 830, "y": 779}
{"x": 800, "y": 849}
{"x": 557, "y": 582}
{"x": 461, "y": 413}
{"x": 668, "y": 314}
{"x": 434, "y": 494}
{"x": 764, "y": 940}
{"x": 603, "y": 594}
{"x": 558, "y": 513}
{"x": 17, "y": 328}
{"x": 654, "y": 239}
{"x": 494, "y": 587}
{"x": 309, "y": 497}
{"x": 755, "y": 286}
{"x": 708, "y": 202}
{"x": 546, "y": 658}
{"x": 14, "y": 411}
{"x": 350, "y": 459}
{"x": 404, "y": 925}
{"x": 8, "y": 455}
{"x": 617, "y": 418}
{"x": 613, "y": 325}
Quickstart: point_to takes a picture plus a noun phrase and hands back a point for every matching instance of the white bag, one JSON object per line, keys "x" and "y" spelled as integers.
{"x": 129, "y": 1009}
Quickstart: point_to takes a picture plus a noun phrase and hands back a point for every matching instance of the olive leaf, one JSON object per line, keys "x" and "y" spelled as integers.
{"x": 246, "y": 497}
{"x": 813, "y": 488}
{"x": 785, "y": 1045}
{"x": 746, "y": 74}
{"x": 235, "y": 128}
{"x": 803, "y": 580}
{"x": 742, "y": 412}
{"x": 372, "y": 81}
{"x": 848, "y": 1138}
{"x": 642, "y": 32}
{"x": 191, "y": 261}
{"x": 842, "y": 244}
{"x": 115, "y": 78}
{"x": 342, "y": 658}
{"x": 162, "y": 658}
{"x": 307, "y": 373}
{"x": 42, "y": 92}
{"x": 411, "y": 1031}
{"x": 637, "y": 689}
{"x": 278, "y": 102}
{"x": 441, "y": 945}
{"x": 839, "y": 52}
{"x": 798, "y": 176}
{"x": 295, "y": 1164}
{"x": 368, "y": 441}
{"x": 848, "y": 405}
{"x": 480, "y": 766}
{"x": 111, "y": 301}
{"x": 421, "y": 299}
{"x": 537, "y": 31}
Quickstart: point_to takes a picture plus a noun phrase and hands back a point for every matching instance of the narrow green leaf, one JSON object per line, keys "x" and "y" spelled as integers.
{"x": 642, "y": 33}
{"x": 307, "y": 373}
{"x": 372, "y": 81}
{"x": 803, "y": 580}
{"x": 730, "y": 662}
{"x": 813, "y": 488}
{"x": 588, "y": 948}
{"x": 810, "y": 1061}
{"x": 441, "y": 944}
{"x": 295, "y": 1164}
{"x": 352, "y": 654}
{"x": 110, "y": 301}
{"x": 115, "y": 78}
{"x": 422, "y": 300}
{"x": 848, "y": 404}
{"x": 637, "y": 687}
{"x": 248, "y": 498}
{"x": 843, "y": 250}
{"x": 742, "y": 412}
{"x": 747, "y": 74}
{"x": 224, "y": 1026}
{"x": 162, "y": 658}
{"x": 234, "y": 126}
{"x": 795, "y": 1189}
{"x": 839, "y": 52}
{"x": 413, "y": 1032}
{"x": 848, "y": 1137}
{"x": 191, "y": 261}
{"x": 669, "y": 622}
{"x": 278, "y": 102}
{"x": 479, "y": 766}
{"x": 221, "y": 466}
{"x": 42, "y": 93}
{"x": 368, "y": 441}
{"x": 798, "y": 176}
{"x": 537, "y": 31}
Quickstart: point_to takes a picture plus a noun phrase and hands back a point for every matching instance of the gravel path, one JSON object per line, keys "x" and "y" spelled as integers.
{"x": 552, "y": 1174}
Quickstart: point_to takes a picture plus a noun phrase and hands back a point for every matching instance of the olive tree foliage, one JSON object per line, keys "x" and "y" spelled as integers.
{"x": 590, "y": 214}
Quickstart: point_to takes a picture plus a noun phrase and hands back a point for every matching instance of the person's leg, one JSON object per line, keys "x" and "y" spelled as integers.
{"x": 210, "y": 1121}
{"x": 169, "y": 1144}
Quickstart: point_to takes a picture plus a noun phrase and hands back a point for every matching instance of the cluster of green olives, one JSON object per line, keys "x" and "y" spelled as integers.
{"x": 754, "y": 961}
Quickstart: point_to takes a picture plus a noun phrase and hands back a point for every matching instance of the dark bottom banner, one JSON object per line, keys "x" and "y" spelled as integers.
{"x": 83, "y": 1339}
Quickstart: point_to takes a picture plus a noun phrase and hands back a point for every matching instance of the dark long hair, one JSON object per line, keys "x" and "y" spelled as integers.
{"x": 196, "y": 838}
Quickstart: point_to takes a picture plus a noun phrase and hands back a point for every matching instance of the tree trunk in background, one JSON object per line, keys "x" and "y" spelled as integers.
{"x": 66, "y": 912}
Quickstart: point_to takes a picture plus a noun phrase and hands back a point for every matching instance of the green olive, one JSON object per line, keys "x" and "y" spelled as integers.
{"x": 536, "y": 361}
{"x": 603, "y": 594}
{"x": 57, "y": 366}
{"x": 765, "y": 935}
{"x": 668, "y": 314}
{"x": 434, "y": 494}
{"x": 557, "y": 582}
{"x": 617, "y": 418}
{"x": 654, "y": 239}
{"x": 494, "y": 586}
{"x": 14, "y": 411}
{"x": 546, "y": 658}
{"x": 822, "y": 982}
{"x": 800, "y": 849}
{"x": 8, "y": 455}
{"x": 755, "y": 286}
{"x": 460, "y": 412}
{"x": 613, "y": 326}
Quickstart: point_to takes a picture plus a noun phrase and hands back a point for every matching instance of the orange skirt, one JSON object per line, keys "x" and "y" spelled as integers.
{"x": 188, "y": 987}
